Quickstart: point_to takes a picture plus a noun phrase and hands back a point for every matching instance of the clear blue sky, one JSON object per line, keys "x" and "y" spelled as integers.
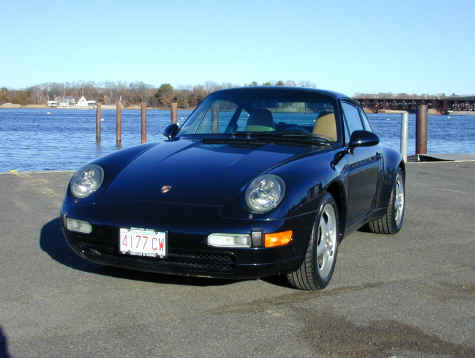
{"x": 413, "y": 46}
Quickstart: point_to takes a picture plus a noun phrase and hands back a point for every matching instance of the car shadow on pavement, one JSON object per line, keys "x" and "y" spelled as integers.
{"x": 3, "y": 345}
{"x": 53, "y": 243}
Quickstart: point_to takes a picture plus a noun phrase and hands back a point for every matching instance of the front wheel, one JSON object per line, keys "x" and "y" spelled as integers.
{"x": 392, "y": 220}
{"x": 317, "y": 267}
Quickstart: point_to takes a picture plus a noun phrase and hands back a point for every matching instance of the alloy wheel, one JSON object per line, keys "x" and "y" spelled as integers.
{"x": 326, "y": 241}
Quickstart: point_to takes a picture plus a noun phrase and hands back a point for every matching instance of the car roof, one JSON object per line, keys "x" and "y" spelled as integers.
{"x": 333, "y": 94}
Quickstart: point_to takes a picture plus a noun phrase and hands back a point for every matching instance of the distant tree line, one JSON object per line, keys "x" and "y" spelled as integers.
{"x": 128, "y": 94}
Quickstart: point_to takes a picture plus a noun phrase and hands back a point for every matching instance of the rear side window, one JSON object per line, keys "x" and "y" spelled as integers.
{"x": 352, "y": 117}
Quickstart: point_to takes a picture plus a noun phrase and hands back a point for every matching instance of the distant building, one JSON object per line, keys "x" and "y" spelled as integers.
{"x": 83, "y": 103}
{"x": 65, "y": 101}
{"x": 70, "y": 102}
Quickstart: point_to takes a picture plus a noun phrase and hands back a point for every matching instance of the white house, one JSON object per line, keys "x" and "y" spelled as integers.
{"x": 83, "y": 103}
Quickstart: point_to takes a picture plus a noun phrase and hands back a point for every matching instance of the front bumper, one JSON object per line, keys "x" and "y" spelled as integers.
{"x": 189, "y": 255}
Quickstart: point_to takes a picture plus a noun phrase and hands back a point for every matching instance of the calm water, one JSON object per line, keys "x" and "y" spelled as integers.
{"x": 59, "y": 139}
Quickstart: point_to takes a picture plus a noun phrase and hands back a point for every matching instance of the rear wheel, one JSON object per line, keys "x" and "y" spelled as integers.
{"x": 392, "y": 220}
{"x": 317, "y": 267}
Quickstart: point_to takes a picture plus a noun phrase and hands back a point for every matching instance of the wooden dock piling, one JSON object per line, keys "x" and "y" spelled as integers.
{"x": 143, "y": 117}
{"x": 98, "y": 123}
{"x": 118, "y": 128}
{"x": 174, "y": 112}
{"x": 421, "y": 129}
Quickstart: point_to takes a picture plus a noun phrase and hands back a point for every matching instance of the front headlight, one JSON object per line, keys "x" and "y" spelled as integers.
{"x": 86, "y": 180}
{"x": 264, "y": 193}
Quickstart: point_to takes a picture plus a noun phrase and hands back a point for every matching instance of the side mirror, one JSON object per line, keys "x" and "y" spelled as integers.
{"x": 171, "y": 131}
{"x": 357, "y": 139}
{"x": 363, "y": 139}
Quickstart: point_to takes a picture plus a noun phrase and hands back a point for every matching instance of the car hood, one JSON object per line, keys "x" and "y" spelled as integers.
{"x": 197, "y": 173}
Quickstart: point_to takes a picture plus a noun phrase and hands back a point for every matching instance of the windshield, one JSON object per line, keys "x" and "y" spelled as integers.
{"x": 264, "y": 111}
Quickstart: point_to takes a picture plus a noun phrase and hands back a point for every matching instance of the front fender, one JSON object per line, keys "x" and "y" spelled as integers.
{"x": 305, "y": 180}
{"x": 113, "y": 165}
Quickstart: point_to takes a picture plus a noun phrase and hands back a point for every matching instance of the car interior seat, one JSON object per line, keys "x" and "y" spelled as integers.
{"x": 325, "y": 126}
{"x": 260, "y": 120}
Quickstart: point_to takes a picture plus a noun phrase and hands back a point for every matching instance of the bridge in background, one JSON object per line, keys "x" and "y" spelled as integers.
{"x": 403, "y": 102}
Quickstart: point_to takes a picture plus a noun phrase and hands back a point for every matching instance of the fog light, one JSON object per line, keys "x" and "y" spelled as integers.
{"x": 278, "y": 238}
{"x": 78, "y": 226}
{"x": 229, "y": 240}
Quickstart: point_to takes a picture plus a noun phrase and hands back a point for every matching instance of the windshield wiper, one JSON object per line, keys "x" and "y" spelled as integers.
{"x": 290, "y": 132}
{"x": 294, "y": 136}
{"x": 235, "y": 137}
{"x": 300, "y": 136}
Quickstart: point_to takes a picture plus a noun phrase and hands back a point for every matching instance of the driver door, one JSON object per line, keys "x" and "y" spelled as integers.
{"x": 363, "y": 166}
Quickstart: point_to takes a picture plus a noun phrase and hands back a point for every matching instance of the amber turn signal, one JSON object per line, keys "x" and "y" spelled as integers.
{"x": 278, "y": 238}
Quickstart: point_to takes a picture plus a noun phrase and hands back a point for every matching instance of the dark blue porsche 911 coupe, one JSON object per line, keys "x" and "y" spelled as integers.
{"x": 256, "y": 182}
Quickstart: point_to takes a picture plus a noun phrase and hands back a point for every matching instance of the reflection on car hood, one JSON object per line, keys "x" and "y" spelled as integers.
{"x": 196, "y": 172}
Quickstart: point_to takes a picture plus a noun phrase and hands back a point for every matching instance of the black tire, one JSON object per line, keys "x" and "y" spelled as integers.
{"x": 390, "y": 223}
{"x": 310, "y": 275}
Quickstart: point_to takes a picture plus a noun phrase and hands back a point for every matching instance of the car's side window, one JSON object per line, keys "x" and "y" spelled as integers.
{"x": 367, "y": 125}
{"x": 352, "y": 117}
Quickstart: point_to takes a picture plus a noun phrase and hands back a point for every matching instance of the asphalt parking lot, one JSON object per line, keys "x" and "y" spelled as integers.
{"x": 408, "y": 295}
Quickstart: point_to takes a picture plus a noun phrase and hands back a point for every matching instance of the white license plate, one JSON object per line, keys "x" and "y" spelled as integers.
{"x": 143, "y": 242}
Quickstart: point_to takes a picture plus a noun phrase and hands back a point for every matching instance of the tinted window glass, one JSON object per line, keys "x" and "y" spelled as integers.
{"x": 264, "y": 111}
{"x": 352, "y": 117}
{"x": 347, "y": 132}
{"x": 214, "y": 119}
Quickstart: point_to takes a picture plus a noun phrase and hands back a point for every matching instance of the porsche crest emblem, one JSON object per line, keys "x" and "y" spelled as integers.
{"x": 165, "y": 189}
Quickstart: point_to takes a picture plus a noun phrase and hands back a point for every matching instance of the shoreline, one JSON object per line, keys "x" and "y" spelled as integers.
{"x": 104, "y": 107}
{"x": 137, "y": 107}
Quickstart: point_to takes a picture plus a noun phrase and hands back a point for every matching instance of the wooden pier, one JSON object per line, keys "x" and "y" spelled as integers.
{"x": 143, "y": 122}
